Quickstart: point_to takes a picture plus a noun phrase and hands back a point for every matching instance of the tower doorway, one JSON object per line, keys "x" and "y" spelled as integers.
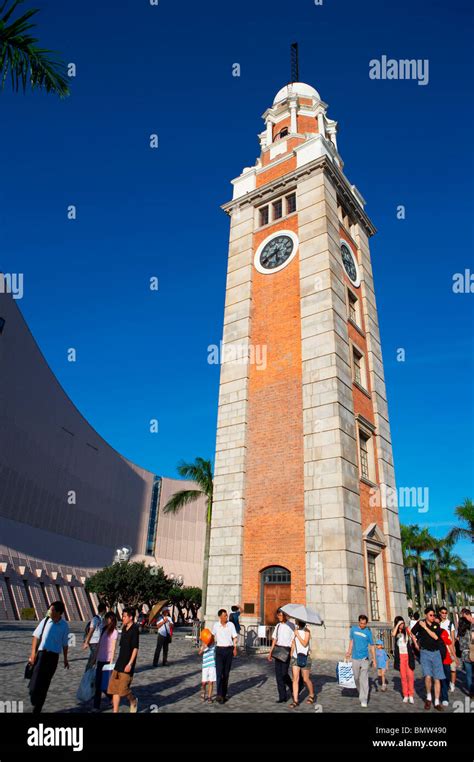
{"x": 275, "y": 592}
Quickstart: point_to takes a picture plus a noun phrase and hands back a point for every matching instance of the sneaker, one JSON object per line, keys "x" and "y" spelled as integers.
{"x": 364, "y": 705}
{"x": 452, "y": 686}
{"x": 134, "y": 707}
{"x": 384, "y": 687}
{"x": 445, "y": 703}
{"x": 405, "y": 699}
{"x": 411, "y": 700}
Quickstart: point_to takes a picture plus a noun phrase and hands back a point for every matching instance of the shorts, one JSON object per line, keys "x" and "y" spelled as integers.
{"x": 209, "y": 675}
{"x": 119, "y": 684}
{"x": 431, "y": 664}
{"x": 294, "y": 664}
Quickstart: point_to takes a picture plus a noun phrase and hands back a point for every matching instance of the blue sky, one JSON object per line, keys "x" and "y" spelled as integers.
{"x": 143, "y": 212}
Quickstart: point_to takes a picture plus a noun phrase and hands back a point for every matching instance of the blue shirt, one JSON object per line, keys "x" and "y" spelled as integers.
{"x": 381, "y": 658}
{"x": 361, "y": 639}
{"x": 55, "y": 635}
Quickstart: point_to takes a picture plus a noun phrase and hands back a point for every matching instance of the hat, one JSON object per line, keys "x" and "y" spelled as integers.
{"x": 379, "y": 642}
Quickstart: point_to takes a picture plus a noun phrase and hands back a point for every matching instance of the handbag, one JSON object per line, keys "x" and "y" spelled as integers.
{"x": 280, "y": 653}
{"x": 30, "y": 667}
{"x": 107, "y": 670}
{"x": 86, "y": 689}
{"x": 301, "y": 660}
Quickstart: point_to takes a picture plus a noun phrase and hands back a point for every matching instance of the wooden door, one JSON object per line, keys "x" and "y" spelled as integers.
{"x": 275, "y": 595}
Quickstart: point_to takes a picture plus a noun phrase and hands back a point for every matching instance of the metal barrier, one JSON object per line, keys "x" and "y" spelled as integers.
{"x": 197, "y": 627}
{"x": 384, "y": 633}
{"x": 258, "y": 638}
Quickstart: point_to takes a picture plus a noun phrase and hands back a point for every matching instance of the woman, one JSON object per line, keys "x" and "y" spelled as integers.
{"x": 105, "y": 653}
{"x": 404, "y": 658}
{"x": 282, "y": 639}
{"x": 301, "y": 661}
{"x": 465, "y": 643}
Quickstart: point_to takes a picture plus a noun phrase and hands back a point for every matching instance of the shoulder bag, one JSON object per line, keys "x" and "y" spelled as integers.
{"x": 30, "y": 667}
{"x": 280, "y": 653}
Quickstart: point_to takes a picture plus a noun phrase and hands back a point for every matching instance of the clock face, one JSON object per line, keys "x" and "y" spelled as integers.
{"x": 349, "y": 264}
{"x": 276, "y": 252}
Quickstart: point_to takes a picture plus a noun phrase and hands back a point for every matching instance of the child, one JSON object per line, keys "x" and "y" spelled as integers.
{"x": 208, "y": 669}
{"x": 382, "y": 659}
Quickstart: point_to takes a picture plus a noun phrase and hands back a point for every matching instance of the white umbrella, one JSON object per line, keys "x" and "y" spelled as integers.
{"x": 303, "y": 613}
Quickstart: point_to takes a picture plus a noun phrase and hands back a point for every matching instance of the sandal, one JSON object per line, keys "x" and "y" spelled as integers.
{"x": 294, "y": 704}
{"x": 311, "y": 700}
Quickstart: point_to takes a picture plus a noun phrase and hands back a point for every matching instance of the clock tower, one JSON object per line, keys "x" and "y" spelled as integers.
{"x": 304, "y": 489}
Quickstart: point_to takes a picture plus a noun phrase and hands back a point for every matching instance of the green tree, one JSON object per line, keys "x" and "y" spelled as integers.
{"x": 22, "y": 60}
{"x": 130, "y": 583}
{"x": 200, "y": 472}
{"x": 421, "y": 543}
{"x": 465, "y": 513}
{"x": 187, "y": 600}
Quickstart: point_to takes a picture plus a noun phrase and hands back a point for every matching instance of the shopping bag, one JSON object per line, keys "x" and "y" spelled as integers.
{"x": 106, "y": 673}
{"x": 345, "y": 675}
{"x": 86, "y": 689}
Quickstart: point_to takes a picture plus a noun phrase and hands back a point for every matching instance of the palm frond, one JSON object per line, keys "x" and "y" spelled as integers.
{"x": 180, "y": 499}
{"x": 23, "y": 60}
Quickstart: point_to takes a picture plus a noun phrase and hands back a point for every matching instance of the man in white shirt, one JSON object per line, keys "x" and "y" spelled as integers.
{"x": 49, "y": 638}
{"x": 94, "y": 633}
{"x": 225, "y": 636}
{"x": 164, "y": 638}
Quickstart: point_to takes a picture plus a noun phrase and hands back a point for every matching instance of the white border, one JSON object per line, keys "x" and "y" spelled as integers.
{"x": 269, "y": 238}
{"x": 356, "y": 282}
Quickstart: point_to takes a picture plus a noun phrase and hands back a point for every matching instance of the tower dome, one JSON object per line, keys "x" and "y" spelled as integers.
{"x": 296, "y": 88}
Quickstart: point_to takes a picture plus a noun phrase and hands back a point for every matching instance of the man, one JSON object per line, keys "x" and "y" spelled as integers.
{"x": 225, "y": 637}
{"x": 447, "y": 625}
{"x": 415, "y": 618}
{"x": 282, "y": 638}
{"x": 427, "y": 639}
{"x": 164, "y": 638}
{"x": 360, "y": 641}
{"x": 234, "y": 618}
{"x": 93, "y": 634}
{"x": 49, "y": 638}
{"x": 122, "y": 675}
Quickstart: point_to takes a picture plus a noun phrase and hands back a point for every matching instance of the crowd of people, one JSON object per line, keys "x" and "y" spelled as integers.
{"x": 435, "y": 641}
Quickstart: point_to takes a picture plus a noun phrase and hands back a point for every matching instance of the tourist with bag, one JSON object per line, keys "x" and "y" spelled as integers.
{"x": 164, "y": 627}
{"x": 301, "y": 662}
{"x": 105, "y": 655}
{"x": 280, "y": 650}
{"x": 94, "y": 631}
{"x": 427, "y": 638}
{"x": 360, "y": 642}
{"x": 404, "y": 658}
{"x": 49, "y": 638}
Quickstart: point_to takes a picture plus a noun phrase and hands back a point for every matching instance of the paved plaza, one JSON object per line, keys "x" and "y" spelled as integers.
{"x": 176, "y": 688}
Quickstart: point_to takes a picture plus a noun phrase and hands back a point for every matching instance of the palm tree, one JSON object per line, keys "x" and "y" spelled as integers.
{"x": 421, "y": 542}
{"x": 452, "y": 572}
{"x": 437, "y": 548}
{"x": 408, "y": 534}
{"x": 200, "y": 472}
{"x": 22, "y": 59}
{"x": 465, "y": 512}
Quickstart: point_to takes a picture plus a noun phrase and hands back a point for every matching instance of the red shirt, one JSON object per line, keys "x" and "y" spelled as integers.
{"x": 447, "y": 642}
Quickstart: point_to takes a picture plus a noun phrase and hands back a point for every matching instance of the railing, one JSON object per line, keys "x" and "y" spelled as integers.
{"x": 384, "y": 633}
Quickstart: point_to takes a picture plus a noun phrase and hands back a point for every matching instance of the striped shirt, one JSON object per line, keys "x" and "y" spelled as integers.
{"x": 209, "y": 657}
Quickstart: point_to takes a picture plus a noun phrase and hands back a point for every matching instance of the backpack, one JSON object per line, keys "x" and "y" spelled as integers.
{"x": 234, "y": 618}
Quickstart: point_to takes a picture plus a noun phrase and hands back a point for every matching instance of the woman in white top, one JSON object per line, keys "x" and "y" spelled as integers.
{"x": 301, "y": 662}
{"x": 282, "y": 639}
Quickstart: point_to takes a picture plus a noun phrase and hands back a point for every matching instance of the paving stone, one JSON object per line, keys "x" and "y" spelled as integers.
{"x": 176, "y": 688}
